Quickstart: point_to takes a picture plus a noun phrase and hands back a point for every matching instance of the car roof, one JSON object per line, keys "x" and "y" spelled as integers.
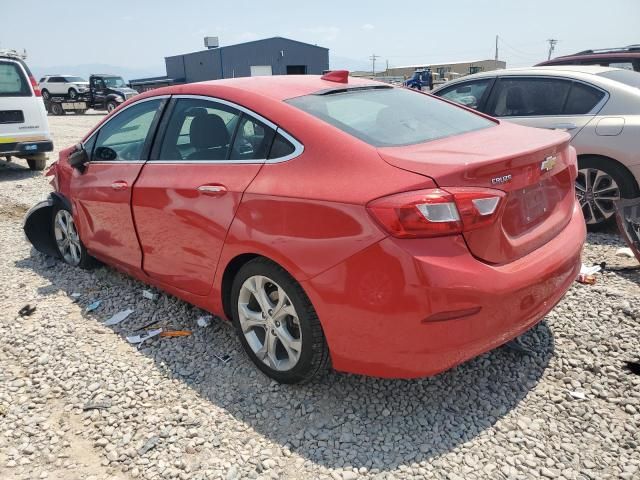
{"x": 276, "y": 87}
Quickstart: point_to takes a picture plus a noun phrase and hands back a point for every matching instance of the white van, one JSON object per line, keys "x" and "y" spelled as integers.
{"x": 24, "y": 128}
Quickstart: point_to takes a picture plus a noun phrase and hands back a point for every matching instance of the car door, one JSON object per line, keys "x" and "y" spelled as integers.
{"x": 101, "y": 194}
{"x": 472, "y": 94}
{"x": 545, "y": 102}
{"x": 98, "y": 91}
{"x": 189, "y": 191}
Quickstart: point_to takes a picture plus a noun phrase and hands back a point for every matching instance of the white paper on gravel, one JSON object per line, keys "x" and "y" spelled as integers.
{"x": 143, "y": 337}
{"x": 590, "y": 270}
{"x": 118, "y": 317}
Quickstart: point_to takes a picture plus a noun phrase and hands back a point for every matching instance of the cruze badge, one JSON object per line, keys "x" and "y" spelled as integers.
{"x": 548, "y": 163}
{"x": 501, "y": 180}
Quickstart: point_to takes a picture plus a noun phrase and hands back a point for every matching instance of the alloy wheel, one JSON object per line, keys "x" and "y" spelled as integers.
{"x": 270, "y": 323}
{"x": 67, "y": 237}
{"x": 596, "y": 191}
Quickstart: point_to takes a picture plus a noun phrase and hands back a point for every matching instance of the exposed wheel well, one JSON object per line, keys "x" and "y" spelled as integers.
{"x": 618, "y": 165}
{"x": 227, "y": 279}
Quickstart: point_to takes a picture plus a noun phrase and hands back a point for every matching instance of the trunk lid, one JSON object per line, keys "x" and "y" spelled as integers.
{"x": 535, "y": 168}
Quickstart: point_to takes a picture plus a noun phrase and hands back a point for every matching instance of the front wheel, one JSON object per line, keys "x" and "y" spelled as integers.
{"x": 602, "y": 182}
{"x": 111, "y": 106}
{"x": 45, "y": 94}
{"x": 68, "y": 241}
{"x": 277, "y": 324}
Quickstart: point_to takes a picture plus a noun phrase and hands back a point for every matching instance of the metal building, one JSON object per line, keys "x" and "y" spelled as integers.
{"x": 270, "y": 56}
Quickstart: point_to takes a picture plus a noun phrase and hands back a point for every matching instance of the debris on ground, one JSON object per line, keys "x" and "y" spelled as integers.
{"x": 144, "y": 336}
{"x": 118, "y": 317}
{"x": 633, "y": 367}
{"x": 26, "y": 311}
{"x": 624, "y": 252}
{"x": 223, "y": 358}
{"x": 76, "y": 296}
{"x": 149, "y": 294}
{"x": 204, "y": 321}
{"x": 175, "y": 333}
{"x": 578, "y": 395}
{"x": 102, "y": 405}
{"x": 149, "y": 444}
{"x": 587, "y": 274}
{"x": 93, "y": 306}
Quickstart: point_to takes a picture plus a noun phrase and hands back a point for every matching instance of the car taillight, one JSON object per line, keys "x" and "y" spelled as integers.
{"x": 437, "y": 212}
{"x": 36, "y": 88}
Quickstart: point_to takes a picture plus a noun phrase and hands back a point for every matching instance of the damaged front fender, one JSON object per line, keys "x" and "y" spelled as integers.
{"x": 37, "y": 225}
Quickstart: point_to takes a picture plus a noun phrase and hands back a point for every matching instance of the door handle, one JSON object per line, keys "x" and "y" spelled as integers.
{"x": 212, "y": 190}
{"x": 121, "y": 185}
{"x": 565, "y": 126}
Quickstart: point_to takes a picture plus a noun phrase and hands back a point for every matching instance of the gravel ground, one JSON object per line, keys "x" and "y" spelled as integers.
{"x": 566, "y": 410}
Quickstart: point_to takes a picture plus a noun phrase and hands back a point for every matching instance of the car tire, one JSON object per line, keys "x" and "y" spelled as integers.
{"x": 600, "y": 183}
{"x": 70, "y": 247}
{"x": 111, "y": 106}
{"x": 263, "y": 335}
{"x": 73, "y": 93}
{"x": 45, "y": 94}
{"x": 37, "y": 163}
{"x": 56, "y": 109}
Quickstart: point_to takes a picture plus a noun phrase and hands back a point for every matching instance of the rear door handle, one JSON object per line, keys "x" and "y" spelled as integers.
{"x": 212, "y": 190}
{"x": 565, "y": 126}
{"x": 121, "y": 185}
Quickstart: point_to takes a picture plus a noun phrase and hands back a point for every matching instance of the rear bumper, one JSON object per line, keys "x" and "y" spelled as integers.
{"x": 26, "y": 148}
{"x": 378, "y": 307}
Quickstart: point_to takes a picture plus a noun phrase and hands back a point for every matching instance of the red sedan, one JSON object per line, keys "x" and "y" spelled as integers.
{"x": 332, "y": 220}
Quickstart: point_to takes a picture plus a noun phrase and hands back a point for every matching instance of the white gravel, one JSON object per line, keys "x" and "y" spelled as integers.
{"x": 503, "y": 415}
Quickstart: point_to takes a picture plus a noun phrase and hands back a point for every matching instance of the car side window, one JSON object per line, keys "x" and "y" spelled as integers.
{"x": 252, "y": 141}
{"x": 281, "y": 147}
{"x": 582, "y": 98}
{"x": 124, "y": 136}
{"x": 468, "y": 94}
{"x": 200, "y": 129}
{"x": 530, "y": 97}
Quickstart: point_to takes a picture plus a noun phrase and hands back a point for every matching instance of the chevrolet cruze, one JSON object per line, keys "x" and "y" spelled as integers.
{"x": 335, "y": 221}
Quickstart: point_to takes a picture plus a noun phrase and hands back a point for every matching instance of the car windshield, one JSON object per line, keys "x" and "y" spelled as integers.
{"x": 75, "y": 79}
{"x": 385, "y": 117}
{"x": 627, "y": 77}
{"x": 114, "y": 82}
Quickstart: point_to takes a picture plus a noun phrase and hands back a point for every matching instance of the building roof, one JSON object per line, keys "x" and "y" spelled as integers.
{"x": 249, "y": 43}
{"x": 427, "y": 64}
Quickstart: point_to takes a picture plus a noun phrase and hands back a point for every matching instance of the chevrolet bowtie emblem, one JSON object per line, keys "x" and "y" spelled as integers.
{"x": 548, "y": 163}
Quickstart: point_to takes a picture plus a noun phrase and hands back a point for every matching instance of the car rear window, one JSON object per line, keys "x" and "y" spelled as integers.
{"x": 13, "y": 83}
{"x": 627, "y": 77}
{"x": 385, "y": 117}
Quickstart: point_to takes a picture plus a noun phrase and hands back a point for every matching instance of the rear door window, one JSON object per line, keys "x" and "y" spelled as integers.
{"x": 13, "y": 82}
{"x": 390, "y": 116}
{"x": 530, "y": 97}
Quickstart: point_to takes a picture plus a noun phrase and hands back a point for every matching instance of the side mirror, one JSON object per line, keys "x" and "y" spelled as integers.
{"x": 105, "y": 153}
{"x": 79, "y": 158}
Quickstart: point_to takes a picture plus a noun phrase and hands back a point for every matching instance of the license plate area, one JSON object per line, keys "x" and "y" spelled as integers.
{"x": 534, "y": 203}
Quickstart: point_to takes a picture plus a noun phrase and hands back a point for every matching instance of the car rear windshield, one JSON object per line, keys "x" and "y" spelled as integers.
{"x": 627, "y": 77}
{"x": 385, "y": 117}
{"x": 13, "y": 83}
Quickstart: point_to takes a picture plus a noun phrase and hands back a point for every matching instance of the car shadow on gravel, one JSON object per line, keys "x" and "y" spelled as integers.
{"x": 338, "y": 421}
{"x": 16, "y": 170}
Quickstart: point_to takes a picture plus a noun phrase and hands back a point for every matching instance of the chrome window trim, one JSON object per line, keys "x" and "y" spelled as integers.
{"x": 298, "y": 147}
{"x": 594, "y": 111}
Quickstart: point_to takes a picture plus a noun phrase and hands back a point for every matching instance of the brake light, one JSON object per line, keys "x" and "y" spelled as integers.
{"x": 437, "y": 212}
{"x": 36, "y": 88}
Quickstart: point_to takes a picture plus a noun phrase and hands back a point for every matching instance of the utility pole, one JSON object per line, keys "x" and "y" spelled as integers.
{"x": 496, "y": 49}
{"x": 552, "y": 46}
{"x": 387, "y": 69}
{"x": 373, "y": 58}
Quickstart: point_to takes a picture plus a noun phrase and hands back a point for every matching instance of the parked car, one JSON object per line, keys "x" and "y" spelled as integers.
{"x": 63, "y": 85}
{"x": 598, "y": 106}
{"x": 625, "y": 57}
{"x": 24, "y": 129}
{"x": 384, "y": 231}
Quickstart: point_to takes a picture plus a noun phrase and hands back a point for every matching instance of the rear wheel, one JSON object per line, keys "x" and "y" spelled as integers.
{"x": 37, "y": 163}
{"x": 45, "y": 94}
{"x": 600, "y": 183}
{"x": 68, "y": 241}
{"x": 277, "y": 324}
{"x": 56, "y": 108}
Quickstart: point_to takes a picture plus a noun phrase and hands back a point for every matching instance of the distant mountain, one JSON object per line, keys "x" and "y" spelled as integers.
{"x": 85, "y": 70}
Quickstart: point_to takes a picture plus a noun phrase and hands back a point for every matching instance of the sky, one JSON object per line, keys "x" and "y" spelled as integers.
{"x": 136, "y": 35}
